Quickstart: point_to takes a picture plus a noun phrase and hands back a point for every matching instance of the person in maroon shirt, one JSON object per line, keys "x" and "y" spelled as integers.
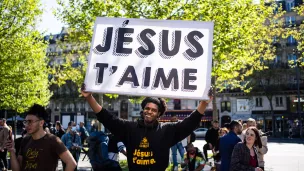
{"x": 244, "y": 155}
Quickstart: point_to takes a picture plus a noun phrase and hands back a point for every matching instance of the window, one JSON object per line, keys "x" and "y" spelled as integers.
{"x": 177, "y": 104}
{"x": 290, "y": 4}
{"x": 277, "y": 59}
{"x": 291, "y": 40}
{"x": 136, "y": 106}
{"x": 196, "y": 103}
{"x": 258, "y": 102}
{"x": 275, "y": 39}
{"x": 290, "y": 20}
{"x": 279, "y": 101}
{"x": 225, "y": 106}
{"x": 292, "y": 57}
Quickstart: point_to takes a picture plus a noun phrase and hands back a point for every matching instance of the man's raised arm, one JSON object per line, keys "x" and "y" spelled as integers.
{"x": 117, "y": 126}
{"x": 91, "y": 100}
{"x": 189, "y": 124}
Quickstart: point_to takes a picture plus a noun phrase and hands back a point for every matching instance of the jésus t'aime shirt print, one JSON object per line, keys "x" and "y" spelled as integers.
{"x": 143, "y": 154}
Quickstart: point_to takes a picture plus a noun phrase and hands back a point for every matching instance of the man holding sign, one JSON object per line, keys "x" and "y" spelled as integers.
{"x": 140, "y": 57}
{"x": 147, "y": 142}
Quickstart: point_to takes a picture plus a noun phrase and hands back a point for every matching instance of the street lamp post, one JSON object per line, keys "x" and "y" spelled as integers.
{"x": 297, "y": 54}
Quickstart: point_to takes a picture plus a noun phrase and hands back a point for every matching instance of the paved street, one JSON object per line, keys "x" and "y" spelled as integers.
{"x": 280, "y": 157}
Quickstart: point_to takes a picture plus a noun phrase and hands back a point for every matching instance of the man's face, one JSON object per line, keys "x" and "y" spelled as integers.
{"x": 81, "y": 124}
{"x": 251, "y": 123}
{"x": 192, "y": 153}
{"x": 239, "y": 129}
{"x": 1, "y": 123}
{"x": 150, "y": 112}
{"x": 34, "y": 124}
{"x": 215, "y": 125}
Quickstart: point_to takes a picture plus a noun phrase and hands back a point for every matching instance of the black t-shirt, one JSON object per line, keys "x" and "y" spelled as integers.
{"x": 112, "y": 146}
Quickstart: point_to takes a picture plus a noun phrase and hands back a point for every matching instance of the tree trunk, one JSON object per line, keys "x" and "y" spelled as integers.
{"x": 272, "y": 115}
{"x": 215, "y": 113}
{"x": 100, "y": 101}
{"x": 15, "y": 126}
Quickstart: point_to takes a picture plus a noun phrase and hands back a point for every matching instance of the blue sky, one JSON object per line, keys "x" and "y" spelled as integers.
{"x": 49, "y": 23}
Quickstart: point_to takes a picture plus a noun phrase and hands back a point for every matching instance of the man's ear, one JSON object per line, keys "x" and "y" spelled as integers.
{"x": 42, "y": 122}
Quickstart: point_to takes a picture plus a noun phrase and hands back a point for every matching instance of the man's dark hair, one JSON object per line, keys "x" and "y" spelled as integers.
{"x": 215, "y": 121}
{"x": 39, "y": 111}
{"x": 70, "y": 123}
{"x": 227, "y": 125}
{"x": 3, "y": 119}
{"x": 160, "y": 102}
{"x": 234, "y": 124}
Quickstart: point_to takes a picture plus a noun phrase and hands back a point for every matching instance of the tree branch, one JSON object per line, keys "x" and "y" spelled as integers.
{"x": 178, "y": 10}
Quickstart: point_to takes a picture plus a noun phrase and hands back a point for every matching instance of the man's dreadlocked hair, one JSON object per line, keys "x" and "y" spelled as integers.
{"x": 160, "y": 102}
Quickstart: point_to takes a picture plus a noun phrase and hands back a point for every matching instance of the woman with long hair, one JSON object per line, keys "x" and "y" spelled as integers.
{"x": 244, "y": 155}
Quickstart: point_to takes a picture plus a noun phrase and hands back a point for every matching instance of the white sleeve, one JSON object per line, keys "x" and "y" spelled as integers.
{"x": 184, "y": 142}
{"x": 120, "y": 146}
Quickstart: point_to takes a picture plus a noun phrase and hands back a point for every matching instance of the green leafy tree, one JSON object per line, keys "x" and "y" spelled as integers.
{"x": 23, "y": 65}
{"x": 298, "y": 34}
{"x": 239, "y": 28}
{"x": 270, "y": 80}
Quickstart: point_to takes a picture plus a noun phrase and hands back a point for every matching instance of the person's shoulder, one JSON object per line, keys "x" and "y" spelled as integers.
{"x": 224, "y": 137}
{"x": 6, "y": 128}
{"x": 238, "y": 138}
{"x": 199, "y": 159}
{"x": 239, "y": 145}
{"x": 26, "y": 139}
{"x": 51, "y": 138}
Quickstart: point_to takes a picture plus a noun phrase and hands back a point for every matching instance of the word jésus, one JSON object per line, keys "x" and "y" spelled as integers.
{"x": 123, "y": 36}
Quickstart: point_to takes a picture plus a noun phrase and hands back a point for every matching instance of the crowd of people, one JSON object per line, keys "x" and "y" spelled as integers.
{"x": 237, "y": 146}
{"x": 145, "y": 142}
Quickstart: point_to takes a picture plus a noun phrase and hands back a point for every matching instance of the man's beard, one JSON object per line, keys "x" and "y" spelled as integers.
{"x": 35, "y": 129}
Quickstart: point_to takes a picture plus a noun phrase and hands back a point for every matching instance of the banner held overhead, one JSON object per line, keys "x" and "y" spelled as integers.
{"x": 143, "y": 57}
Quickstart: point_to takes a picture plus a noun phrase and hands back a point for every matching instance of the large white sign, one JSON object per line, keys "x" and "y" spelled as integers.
{"x": 163, "y": 58}
{"x": 242, "y": 105}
